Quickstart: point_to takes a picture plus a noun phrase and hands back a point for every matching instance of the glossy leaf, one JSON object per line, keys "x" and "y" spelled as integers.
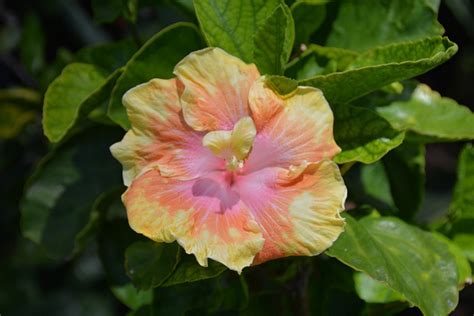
{"x": 274, "y": 41}
{"x": 77, "y": 91}
{"x": 405, "y": 169}
{"x": 427, "y": 113}
{"x": 83, "y": 167}
{"x": 362, "y": 134}
{"x": 370, "y": 23}
{"x": 149, "y": 264}
{"x": 411, "y": 261}
{"x": 378, "y": 67}
{"x": 156, "y": 59}
{"x": 232, "y": 24}
{"x": 462, "y": 264}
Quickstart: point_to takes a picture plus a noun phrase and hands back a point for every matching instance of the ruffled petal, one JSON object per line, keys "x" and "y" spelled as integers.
{"x": 291, "y": 129}
{"x": 298, "y": 211}
{"x": 216, "y": 87}
{"x": 159, "y": 138}
{"x": 207, "y": 218}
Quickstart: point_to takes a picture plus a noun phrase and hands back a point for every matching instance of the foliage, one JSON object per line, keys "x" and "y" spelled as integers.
{"x": 364, "y": 56}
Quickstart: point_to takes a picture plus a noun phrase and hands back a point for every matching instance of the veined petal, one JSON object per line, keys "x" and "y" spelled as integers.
{"x": 291, "y": 129}
{"x": 299, "y": 216}
{"x": 216, "y": 87}
{"x": 203, "y": 215}
{"x": 159, "y": 137}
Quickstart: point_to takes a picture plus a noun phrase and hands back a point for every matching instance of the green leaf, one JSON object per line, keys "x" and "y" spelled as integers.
{"x": 109, "y": 56}
{"x": 62, "y": 191}
{"x": 378, "y": 67}
{"x": 308, "y": 16}
{"x": 461, "y": 209}
{"x": 71, "y": 96}
{"x": 149, "y": 264}
{"x": 361, "y": 25}
{"x": 274, "y": 41}
{"x": 32, "y": 44}
{"x": 13, "y": 118}
{"x": 411, "y": 261}
{"x": 320, "y": 60}
{"x": 106, "y": 11}
{"x": 462, "y": 264}
{"x": 427, "y": 113}
{"x": 156, "y": 59}
{"x": 405, "y": 169}
{"x": 131, "y": 296}
{"x": 281, "y": 85}
{"x": 373, "y": 291}
{"x": 188, "y": 270}
{"x": 232, "y": 24}
{"x": 375, "y": 183}
{"x": 362, "y": 134}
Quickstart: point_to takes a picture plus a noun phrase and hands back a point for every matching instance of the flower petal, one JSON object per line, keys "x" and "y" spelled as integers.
{"x": 216, "y": 87}
{"x": 291, "y": 129}
{"x": 203, "y": 215}
{"x": 298, "y": 216}
{"x": 159, "y": 137}
{"x": 237, "y": 142}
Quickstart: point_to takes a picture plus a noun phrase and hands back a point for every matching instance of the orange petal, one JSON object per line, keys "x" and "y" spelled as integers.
{"x": 159, "y": 138}
{"x": 297, "y": 212}
{"x": 291, "y": 129}
{"x": 216, "y": 87}
{"x": 205, "y": 217}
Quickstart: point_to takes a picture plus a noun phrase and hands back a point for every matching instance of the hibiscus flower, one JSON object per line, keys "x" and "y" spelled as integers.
{"x": 227, "y": 167}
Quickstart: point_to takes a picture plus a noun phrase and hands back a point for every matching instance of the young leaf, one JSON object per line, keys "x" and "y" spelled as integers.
{"x": 427, "y": 113}
{"x": 379, "y": 67}
{"x": 274, "y": 41}
{"x": 411, "y": 261}
{"x": 362, "y": 135}
{"x": 77, "y": 91}
{"x": 156, "y": 59}
{"x": 81, "y": 169}
{"x": 361, "y": 25}
{"x": 149, "y": 264}
{"x": 232, "y": 24}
